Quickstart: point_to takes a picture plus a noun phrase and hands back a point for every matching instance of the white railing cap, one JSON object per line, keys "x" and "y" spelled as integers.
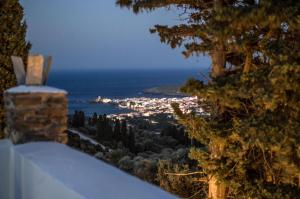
{"x": 35, "y": 89}
{"x": 51, "y": 170}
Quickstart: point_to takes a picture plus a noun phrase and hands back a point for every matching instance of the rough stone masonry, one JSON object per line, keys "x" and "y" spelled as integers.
{"x": 36, "y": 113}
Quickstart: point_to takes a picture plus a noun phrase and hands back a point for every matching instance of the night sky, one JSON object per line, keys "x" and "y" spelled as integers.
{"x": 96, "y": 34}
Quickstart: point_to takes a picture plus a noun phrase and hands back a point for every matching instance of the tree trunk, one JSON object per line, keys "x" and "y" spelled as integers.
{"x": 218, "y": 61}
{"x": 218, "y": 57}
{"x": 216, "y": 190}
{"x": 248, "y": 62}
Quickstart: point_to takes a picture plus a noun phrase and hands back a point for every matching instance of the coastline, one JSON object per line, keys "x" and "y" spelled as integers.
{"x": 165, "y": 90}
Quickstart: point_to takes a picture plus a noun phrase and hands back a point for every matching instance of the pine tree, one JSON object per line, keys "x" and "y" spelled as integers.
{"x": 81, "y": 116}
{"x": 94, "y": 119}
{"x": 200, "y": 31}
{"x": 75, "y": 122}
{"x": 131, "y": 140}
{"x": 117, "y": 130}
{"x": 90, "y": 121}
{"x": 124, "y": 133}
{"x": 78, "y": 119}
{"x": 12, "y": 39}
{"x": 100, "y": 128}
{"x": 251, "y": 131}
{"x": 109, "y": 132}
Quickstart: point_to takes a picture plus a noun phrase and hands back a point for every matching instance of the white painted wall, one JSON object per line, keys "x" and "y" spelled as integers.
{"x": 47, "y": 170}
{"x": 6, "y": 170}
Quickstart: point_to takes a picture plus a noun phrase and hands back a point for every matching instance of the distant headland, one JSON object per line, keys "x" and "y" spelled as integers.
{"x": 167, "y": 90}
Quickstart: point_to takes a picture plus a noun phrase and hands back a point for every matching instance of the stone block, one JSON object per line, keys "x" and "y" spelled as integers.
{"x": 36, "y": 116}
{"x": 25, "y": 101}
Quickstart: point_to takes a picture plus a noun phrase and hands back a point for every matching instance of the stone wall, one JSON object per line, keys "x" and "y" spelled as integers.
{"x": 36, "y": 113}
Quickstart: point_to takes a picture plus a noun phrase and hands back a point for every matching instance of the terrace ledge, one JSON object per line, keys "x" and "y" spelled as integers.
{"x": 50, "y": 170}
{"x": 34, "y": 89}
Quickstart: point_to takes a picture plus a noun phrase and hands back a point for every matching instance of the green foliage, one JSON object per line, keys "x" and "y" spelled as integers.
{"x": 123, "y": 132}
{"x": 104, "y": 128}
{"x": 78, "y": 119}
{"x": 177, "y": 133}
{"x": 117, "y": 130}
{"x": 175, "y": 179}
{"x": 257, "y": 123}
{"x": 94, "y": 119}
{"x": 251, "y": 127}
{"x": 131, "y": 140}
{"x": 108, "y": 129}
{"x": 192, "y": 34}
{"x": 12, "y": 39}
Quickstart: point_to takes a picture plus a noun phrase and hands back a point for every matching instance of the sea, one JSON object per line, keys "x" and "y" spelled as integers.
{"x": 84, "y": 86}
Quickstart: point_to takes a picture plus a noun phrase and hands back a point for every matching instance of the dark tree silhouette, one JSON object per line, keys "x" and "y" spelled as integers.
{"x": 13, "y": 42}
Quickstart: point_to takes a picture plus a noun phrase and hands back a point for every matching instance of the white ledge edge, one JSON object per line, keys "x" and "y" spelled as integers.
{"x": 35, "y": 89}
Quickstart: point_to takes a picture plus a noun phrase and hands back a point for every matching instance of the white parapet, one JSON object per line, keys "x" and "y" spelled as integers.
{"x": 47, "y": 170}
{"x": 6, "y": 170}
